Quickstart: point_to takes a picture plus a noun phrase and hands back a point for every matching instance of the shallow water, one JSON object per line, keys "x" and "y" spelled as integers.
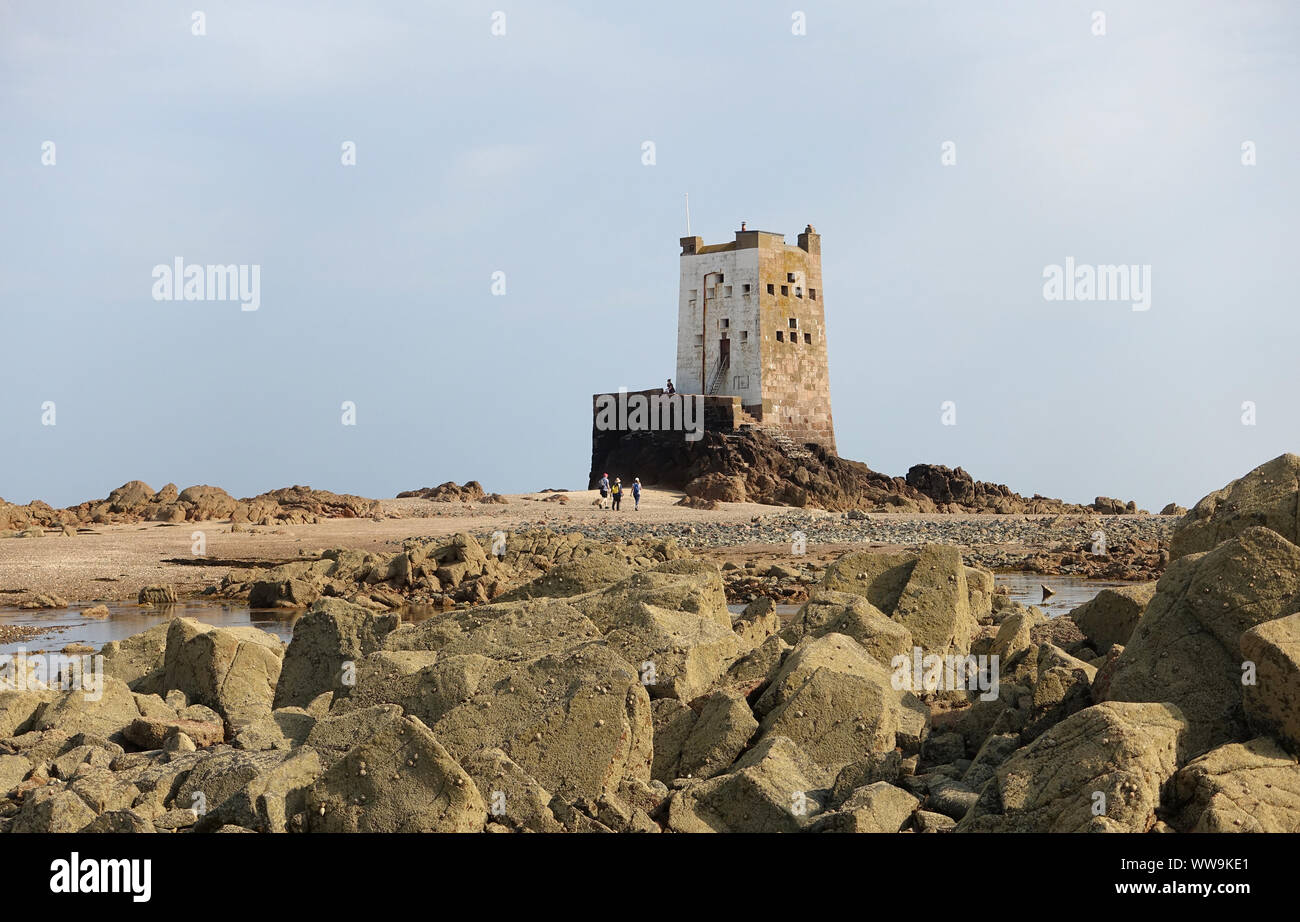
{"x": 1026, "y": 588}
{"x": 1071, "y": 591}
{"x": 126, "y": 618}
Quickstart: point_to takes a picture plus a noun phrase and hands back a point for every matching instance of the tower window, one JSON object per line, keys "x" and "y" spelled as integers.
{"x": 785, "y": 290}
{"x": 726, "y": 322}
{"x": 798, "y": 292}
{"x": 789, "y": 276}
{"x": 807, "y": 338}
{"x": 744, "y": 336}
{"x": 771, "y": 289}
{"x": 694, "y": 292}
{"x": 780, "y": 337}
{"x": 699, "y": 339}
{"x": 812, "y": 293}
{"x": 727, "y": 292}
{"x": 794, "y": 323}
{"x": 744, "y": 289}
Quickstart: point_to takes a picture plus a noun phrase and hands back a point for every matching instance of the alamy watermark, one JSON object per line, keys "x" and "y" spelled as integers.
{"x": 624, "y": 412}
{"x": 20, "y": 671}
{"x": 193, "y": 282}
{"x": 922, "y": 672}
{"x": 1082, "y": 282}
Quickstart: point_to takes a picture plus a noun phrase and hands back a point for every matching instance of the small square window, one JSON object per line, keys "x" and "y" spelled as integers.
{"x": 694, "y": 293}
{"x": 789, "y": 276}
{"x": 771, "y": 289}
{"x": 794, "y": 323}
{"x": 785, "y": 290}
{"x": 807, "y": 338}
{"x": 798, "y": 292}
{"x": 744, "y": 336}
{"x": 726, "y": 322}
{"x": 744, "y": 289}
{"x": 721, "y": 277}
{"x": 812, "y": 293}
{"x": 780, "y": 337}
{"x": 699, "y": 339}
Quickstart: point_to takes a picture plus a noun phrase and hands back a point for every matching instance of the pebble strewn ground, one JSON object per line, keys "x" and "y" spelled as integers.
{"x": 997, "y": 542}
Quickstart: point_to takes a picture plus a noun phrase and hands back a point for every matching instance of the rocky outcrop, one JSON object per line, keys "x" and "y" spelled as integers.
{"x": 1272, "y": 700}
{"x": 927, "y": 592}
{"x": 331, "y": 635}
{"x": 1240, "y": 787}
{"x": 750, "y": 465}
{"x": 233, "y": 670}
{"x": 449, "y": 492}
{"x": 1111, "y": 615}
{"x": 136, "y": 501}
{"x": 1267, "y": 496}
{"x": 395, "y": 777}
{"x": 1186, "y": 648}
{"x": 1100, "y": 770}
{"x": 839, "y": 705}
{"x": 773, "y": 788}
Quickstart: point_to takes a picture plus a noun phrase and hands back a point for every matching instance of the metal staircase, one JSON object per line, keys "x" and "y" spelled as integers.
{"x": 719, "y": 377}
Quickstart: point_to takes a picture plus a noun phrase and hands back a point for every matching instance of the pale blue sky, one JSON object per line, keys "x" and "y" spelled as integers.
{"x": 522, "y": 153}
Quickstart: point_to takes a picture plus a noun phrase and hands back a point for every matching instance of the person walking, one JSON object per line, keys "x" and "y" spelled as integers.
{"x": 636, "y": 493}
{"x": 604, "y": 490}
{"x": 618, "y": 491}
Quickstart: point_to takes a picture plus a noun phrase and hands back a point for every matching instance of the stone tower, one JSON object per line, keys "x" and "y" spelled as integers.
{"x": 751, "y": 324}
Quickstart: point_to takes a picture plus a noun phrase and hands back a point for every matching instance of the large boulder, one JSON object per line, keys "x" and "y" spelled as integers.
{"x": 685, "y": 585}
{"x": 772, "y": 788}
{"x": 1267, "y": 496}
{"x": 514, "y": 798}
{"x": 839, "y": 705}
{"x": 1187, "y": 648}
{"x": 19, "y": 709}
{"x": 138, "y": 660}
{"x": 935, "y": 603}
{"x": 52, "y": 808}
{"x": 1273, "y": 701}
{"x": 879, "y": 578}
{"x": 533, "y": 679}
{"x": 396, "y": 777}
{"x": 105, "y": 712}
{"x": 232, "y": 670}
{"x": 263, "y": 791}
{"x": 1102, "y": 769}
{"x": 573, "y": 577}
{"x": 204, "y": 503}
{"x": 1110, "y": 616}
{"x": 831, "y": 612}
{"x": 680, "y": 654}
{"x": 722, "y": 731}
{"x": 931, "y": 593}
{"x": 1240, "y": 787}
{"x": 878, "y": 807}
{"x": 333, "y": 633}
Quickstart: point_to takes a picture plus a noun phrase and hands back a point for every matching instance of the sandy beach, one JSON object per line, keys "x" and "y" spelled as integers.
{"x": 112, "y": 562}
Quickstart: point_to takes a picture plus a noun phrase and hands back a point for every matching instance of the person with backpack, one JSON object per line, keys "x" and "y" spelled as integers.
{"x": 604, "y": 490}
{"x": 618, "y": 491}
{"x": 636, "y": 493}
